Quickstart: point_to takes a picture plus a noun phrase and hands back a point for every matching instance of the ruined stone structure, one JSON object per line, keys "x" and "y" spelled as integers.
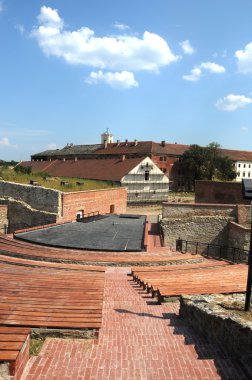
{"x": 225, "y": 225}
{"x": 30, "y": 206}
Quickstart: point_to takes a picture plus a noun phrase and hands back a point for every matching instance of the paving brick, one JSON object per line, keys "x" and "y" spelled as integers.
{"x": 137, "y": 341}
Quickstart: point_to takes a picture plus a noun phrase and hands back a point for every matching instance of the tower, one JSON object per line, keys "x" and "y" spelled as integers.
{"x": 106, "y": 137}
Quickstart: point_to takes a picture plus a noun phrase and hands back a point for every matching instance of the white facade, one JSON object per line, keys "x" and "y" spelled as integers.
{"x": 106, "y": 137}
{"x": 243, "y": 170}
{"x": 146, "y": 182}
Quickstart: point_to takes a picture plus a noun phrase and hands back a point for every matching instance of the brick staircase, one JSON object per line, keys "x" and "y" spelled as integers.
{"x": 138, "y": 340}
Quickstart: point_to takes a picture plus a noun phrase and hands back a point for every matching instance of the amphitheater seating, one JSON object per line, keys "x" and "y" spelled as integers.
{"x": 193, "y": 279}
{"x": 29, "y": 251}
{"x": 14, "y": 350}
{"x": 50, "y": 298}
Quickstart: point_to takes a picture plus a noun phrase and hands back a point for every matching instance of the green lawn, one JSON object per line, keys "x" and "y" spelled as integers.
{"x": 10, "y": 175}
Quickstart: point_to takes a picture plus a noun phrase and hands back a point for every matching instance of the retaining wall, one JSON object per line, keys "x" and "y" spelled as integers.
{"x": 205, "y": 229}
{"x": 31, "y": 206}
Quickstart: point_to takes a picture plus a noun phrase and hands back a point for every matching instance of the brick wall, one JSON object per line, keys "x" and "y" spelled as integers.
{"x": 93, "y": 201}
{"x": 3, "y": 218}
{"x": 219, "y": 192}
{"x": 30, "y": 206}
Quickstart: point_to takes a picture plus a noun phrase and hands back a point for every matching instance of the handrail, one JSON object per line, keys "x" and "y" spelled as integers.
{"x": 234, "y": 254}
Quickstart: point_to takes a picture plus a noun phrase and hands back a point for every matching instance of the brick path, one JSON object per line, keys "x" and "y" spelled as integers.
{"x": 138, "y": 340}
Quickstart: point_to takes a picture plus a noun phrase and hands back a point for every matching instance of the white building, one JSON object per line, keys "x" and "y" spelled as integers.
{"x": 146, "y": 182}
{"x": 243, "y": 170}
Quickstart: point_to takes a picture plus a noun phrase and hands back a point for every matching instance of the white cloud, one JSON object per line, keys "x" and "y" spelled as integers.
{"x": 232, "y": 102}
{"x": 1, "y": 6}
{"x": 243, "y": 128}
{"x": 194, "y": 76}
{"x": 123, "y": 52}
{"x": 244, "y": 59}
{"x": 123, "y": 80}
{"x": 213, "y": 67}
{"x": 50, "y": 18}
{"x": 5, "y": 142}
{"x": 187, "y": 47}
{"x": 196, "y": 72}
{"x": 120, "y": 26}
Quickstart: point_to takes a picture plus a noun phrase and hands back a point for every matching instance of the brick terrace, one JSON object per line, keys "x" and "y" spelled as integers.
{"x": 138, "y": 340}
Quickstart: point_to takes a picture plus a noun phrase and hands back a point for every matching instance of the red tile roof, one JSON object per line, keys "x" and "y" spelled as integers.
{"x": 106, "y": 169}
{"x": 138, "y": 149}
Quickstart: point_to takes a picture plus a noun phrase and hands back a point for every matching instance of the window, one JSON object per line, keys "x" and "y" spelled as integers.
{"x": 146, "y": 176}
{"x": 112, "y": 209}
{"x": 249, "y": 166}
{"x": 238, "y": 174}
{"x": 165, "y": 158}
{"x": 164, "y": 170}
{"x": 244, "y": 165}
{"x": 80, "y": 214}
{"x": 161, "y": 158}
{"x": 239, "y": 165}
{"x": 243, "y": 174}
{"x": 248, "y": 174}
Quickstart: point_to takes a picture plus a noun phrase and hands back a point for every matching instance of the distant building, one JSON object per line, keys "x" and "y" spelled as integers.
{"x": 165, "y": 156}
{"x": 142, "y": 177}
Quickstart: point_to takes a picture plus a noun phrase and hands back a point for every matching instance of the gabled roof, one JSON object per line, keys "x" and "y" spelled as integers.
{"x": 106, "y": 169}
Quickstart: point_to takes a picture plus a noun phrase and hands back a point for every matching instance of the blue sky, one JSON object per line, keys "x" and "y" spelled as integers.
{"x": 179, "y": 71}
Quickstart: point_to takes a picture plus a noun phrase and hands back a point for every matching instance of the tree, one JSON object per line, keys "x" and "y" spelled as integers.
{"x": 206, "y": 163}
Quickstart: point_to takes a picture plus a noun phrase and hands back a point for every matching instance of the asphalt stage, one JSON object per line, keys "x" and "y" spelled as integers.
{"x": 102, "y": 233}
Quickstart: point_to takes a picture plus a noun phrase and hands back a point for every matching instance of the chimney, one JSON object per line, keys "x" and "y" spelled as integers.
{"x": 123, "y": 157}
{"x": 75, "y": 159}
{"x": 126, "y": 142}
{"x": 118, "y": 143}
{"x": 136, "y": 142}
{"x": 163, "y": 143}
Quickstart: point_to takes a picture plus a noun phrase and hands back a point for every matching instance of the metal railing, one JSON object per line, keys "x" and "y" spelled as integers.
{"x": 234, "y": 254}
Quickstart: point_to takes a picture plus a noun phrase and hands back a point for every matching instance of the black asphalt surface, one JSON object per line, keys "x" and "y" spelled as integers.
{"x": 106, "y": 233}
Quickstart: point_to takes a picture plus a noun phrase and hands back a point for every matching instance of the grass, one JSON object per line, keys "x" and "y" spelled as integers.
{"x": 10, "y": 175}
{"x": 35, "y": 346}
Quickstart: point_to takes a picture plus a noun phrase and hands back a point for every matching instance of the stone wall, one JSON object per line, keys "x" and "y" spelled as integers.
{"x": 205, "y": 229}
{"x": 184, "y": 210}
{"x": 3, "y": 218}
{"x": 225, "y": 225}
{"x": 219, "y": 192}
{"x": 37, "y": 197}
{"x": 238, "y": 236}
{"x": 102, "y": 201}
{"x": 244, "y": 215}
{"x": 208, "y": 316}
{"x": 31, "y": 206}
